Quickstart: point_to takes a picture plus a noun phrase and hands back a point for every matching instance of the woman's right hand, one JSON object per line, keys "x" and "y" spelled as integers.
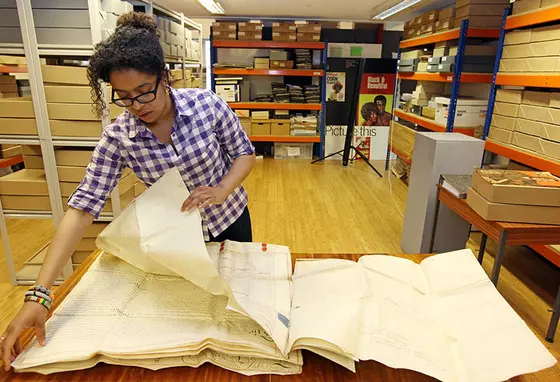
{"x": 31, "y": 315}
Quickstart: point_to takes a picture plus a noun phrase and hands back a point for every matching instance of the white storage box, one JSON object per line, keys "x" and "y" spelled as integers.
{"x": 229, "y": 93}
{"x": 293, "y": 151}
{"x": 69, "y": 36}
{"x": 469, "y": 112}
{"x": 60, "y": 4}
{"x": 61, "y": 18}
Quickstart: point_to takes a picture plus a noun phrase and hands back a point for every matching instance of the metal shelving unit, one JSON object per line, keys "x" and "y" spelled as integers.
{"x": 538, "y": 17}
{"x": 264, "y": 44}
{"x": 33, "y": 52}
{"x": 460, "y": 34}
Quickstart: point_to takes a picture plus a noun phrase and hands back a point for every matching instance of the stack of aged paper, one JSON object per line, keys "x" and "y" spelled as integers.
{"x": 165, "y": 299}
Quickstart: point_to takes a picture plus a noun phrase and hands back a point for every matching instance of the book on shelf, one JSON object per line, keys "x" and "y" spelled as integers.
{"x": 159, "y": 297}
{"x": 458, "y": 185}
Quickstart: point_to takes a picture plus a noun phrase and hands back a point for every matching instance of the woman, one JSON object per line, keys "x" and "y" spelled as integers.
{"x": 161, "y": 128}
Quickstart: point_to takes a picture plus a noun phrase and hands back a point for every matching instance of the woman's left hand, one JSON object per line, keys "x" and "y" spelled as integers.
{"x": 204, "y": 196}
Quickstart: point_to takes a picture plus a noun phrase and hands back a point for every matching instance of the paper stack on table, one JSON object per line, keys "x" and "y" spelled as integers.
{"x": 241, "y": 310}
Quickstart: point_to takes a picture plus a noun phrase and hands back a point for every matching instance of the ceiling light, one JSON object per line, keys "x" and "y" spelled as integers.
{"x": 395, "y": 9}
{"x": 212, "y": 6}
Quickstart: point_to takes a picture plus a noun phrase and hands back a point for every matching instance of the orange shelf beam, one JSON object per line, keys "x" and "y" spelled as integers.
{"x": 267, "y": 44}
{"x": 405, "y": 158}
{"x": 538, "y": 16}
{"x": 430, "y": 124}
{"x": 12, "y": 69}
{"x": 551, "y": 80}
{"x": 548, "y": 253}
{"x": 524, "y": 158}
{"x": 275, "y": 106}
{"x": 284, "y": 138}
{"x": 270, "y": 72}
{"x": 452, "y": 34}
{"x": 446, "y": 77}
{"x": 8, "y": 162}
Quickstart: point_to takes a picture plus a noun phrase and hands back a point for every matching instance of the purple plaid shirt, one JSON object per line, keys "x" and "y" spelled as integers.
{"x": 207, "y": 136}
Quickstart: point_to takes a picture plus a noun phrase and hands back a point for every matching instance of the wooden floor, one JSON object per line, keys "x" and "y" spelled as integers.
{"x": 324, "y": 208}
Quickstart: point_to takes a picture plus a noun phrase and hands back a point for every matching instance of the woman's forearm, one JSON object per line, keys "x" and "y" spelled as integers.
{"x": 67, "y": 236}
{"x": 240, "y": 169}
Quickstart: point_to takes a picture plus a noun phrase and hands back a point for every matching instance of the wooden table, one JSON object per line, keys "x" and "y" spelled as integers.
{"x": 315, "y": 368}
{"x": 503, "y": 233}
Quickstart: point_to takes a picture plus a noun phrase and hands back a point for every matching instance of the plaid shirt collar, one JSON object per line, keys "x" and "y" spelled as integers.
{"x": 184, "y": 109}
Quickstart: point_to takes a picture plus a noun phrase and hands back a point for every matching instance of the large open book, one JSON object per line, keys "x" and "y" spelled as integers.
{"x": 165, "y": 299}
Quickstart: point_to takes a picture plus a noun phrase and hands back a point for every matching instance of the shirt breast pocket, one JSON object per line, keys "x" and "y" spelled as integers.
{"x": 205, "y": 158}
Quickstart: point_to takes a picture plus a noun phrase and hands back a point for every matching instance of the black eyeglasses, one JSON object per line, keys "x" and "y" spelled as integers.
{"x": 142, "y": 98}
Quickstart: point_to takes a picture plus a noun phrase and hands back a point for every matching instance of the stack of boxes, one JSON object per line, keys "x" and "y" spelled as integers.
{"x": 71, "y": 166}
{"x": 308, "y": 31}
{"x": 8, "y": 86}
{"x": 284, "y": 31}
{"x": 303, "y": 125}
{"x": 17, "y": 116}
{"x": 410, "y": 60}
{"x": 423, "y": 98}
{"x": 446, "y": 19}
{"x": 261, "y": 63}
{"x": 424, "y": 24}
{"x": 87, "y": 244}
{"x": 25, "y": 190}
{"x": 245, "y": 119}
{"x": 522, "y": 6}
{"x": 515, "y": 196}
{"x": 69, "y": 103}
{"x": 528, "y": 120}
{"x": 171, "y": 36}
{"x": 33, "y": 158}
{"x": 250, "y": 30}
{"x": 531, "y": 50}
{"x": 476, "y": 59}
{"x": 224, "y": 30}
{"x": 9, "y": 151}
{"x": 480, "y": 13}
{"x": 9, "y": 23}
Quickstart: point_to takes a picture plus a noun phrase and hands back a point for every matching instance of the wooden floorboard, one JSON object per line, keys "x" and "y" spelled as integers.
{"x": 325, "y": 208}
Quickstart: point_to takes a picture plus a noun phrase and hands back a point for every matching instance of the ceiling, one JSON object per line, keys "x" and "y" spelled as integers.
{"x": 355, "y": 10}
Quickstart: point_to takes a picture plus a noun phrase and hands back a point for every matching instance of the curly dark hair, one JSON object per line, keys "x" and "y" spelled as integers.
{"x": 381, "y": 98}
{"x": 134, "y": 45}
{"x": 367, "y": 109}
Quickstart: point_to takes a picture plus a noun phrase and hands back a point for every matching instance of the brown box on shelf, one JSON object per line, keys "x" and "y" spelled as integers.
{"x": 480, "y": 10}
{"x": 510, "y": 96}
{"x": 409, "y": 33}
{"x": 529, "y": 142}
{"x": 549, "y": 3}
{"x": 31, "y": 150}
{"x": 428, "y": 28}
{"x": 481, "y": 21}
{"x": 446, "y": 13}
{"x": 412, "y": 54}
{"x": 284, "y": 36}
{"x": 408, "y": 24}
{"x": 550, "y": 132}
{"x": 516, "y": 213}
{"x": 246, "y": 125}
{"x": 10, "y": 151}
{"x": 309, "y": 28}
{"x": 68, "y": 188}
{"x": 520, "y": 36}
{"x": 68, "y": 94}
{"x": 80, "y": 129}
{"x": 24, "y": 182}
{"x": 280, "y": 128}
{"x": 260, "y": 128}
{"x": 403, "y": 138}
{"x": 281, "y": 64}
{"x": 86, "y": 244}
{"x": 71, "y": 173}
{"x": 549, "y": 33}
{"x": 7, "y": 79}
{"x": 308, "y": 37}
{"x": 261, "y": 63}
{"x": 25, "y": 203}
{"x": 250, "y": 26}
{"x": 538, "y": 113}
{"x": 33, "y": 162}
{"x": 78, "y": 112}
{"x": 544, "y": 99}
{"x": 18, "y": 126}
{"x": 284, "y": 27}
{"x": 9, "y": 95}
{"x": 500, "y": 135}
{"x": 445, "y": 24}
{"x": 426, "y": 18}
{"x": 550, "y": 148}
{"x": 521, "y": 6}
{"x": 533, "y": 49}
{"x": 507, "y": 109}
{"x": 251, "y": 36}
{"x": 73, "y": 157}
{"x": 429, "y": 112}
{"x": 16, "y": 108}
{"x": 530, "y": 65}
{"x": 95, "y": 229}
{"x": 57, "y": 74}
{"x": 224, "y": 26}
{"x": 503, "y": 122}
{"x": 526, "y": 126}
{"x": 8, "y": 88}
{"x": 139, "y": 188}
{"x": 224, "y": 35}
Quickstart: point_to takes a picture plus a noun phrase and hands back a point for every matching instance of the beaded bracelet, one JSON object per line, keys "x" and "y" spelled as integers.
{"x": 42, "y": 289}
{"x": 39, "y": 294}
{"x": 39, "y": 300}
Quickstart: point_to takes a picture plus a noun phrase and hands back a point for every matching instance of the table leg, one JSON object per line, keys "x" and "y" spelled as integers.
{"x": 482, "y": 248}
{"x": 499, "y": 258}
{"x": 434, "y": 225}
{"x": 554, "y": 320}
